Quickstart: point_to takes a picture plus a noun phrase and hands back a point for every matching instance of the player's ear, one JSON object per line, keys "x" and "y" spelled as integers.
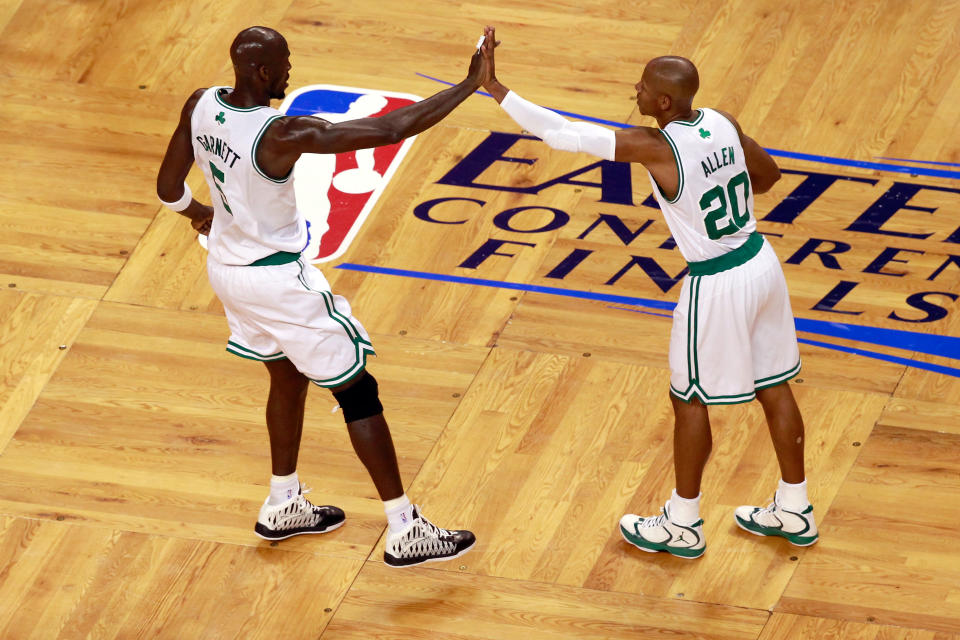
{"x": 665, "y": 102}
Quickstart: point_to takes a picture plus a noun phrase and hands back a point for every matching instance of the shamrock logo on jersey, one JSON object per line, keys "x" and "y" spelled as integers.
{"x": 703, "y": 133}
{"x": 221, "y": 119}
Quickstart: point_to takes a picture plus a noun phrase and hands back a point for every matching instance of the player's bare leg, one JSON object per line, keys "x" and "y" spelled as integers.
{"x": 285, "y": 405}
{"x": 286, "y": 512}
{"x": 692, "y": 443}
{"x": 411, "y": 538}
{"x": 790, "y": 515}
{"x": 373, "y": 444}
{"x": 786, "y": 429}
{"x": 678, "y": 530}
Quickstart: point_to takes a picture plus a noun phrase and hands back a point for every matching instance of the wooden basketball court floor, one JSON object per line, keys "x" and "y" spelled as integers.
{"x": 133, "y": 454}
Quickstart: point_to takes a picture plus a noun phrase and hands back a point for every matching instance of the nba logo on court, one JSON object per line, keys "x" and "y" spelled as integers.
{"x": 336, "y": 192}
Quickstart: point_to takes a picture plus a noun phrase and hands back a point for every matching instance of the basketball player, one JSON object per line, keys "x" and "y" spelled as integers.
{"x": 279, "y": 307}
{"x": 733, "y": 336}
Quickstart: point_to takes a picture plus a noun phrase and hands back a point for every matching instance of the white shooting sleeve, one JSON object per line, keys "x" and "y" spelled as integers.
{"x": 557, "y": 131}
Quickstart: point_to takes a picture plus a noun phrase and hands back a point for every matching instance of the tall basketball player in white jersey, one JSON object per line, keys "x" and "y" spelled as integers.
{"x": 733, "y": 336}
{"x": 279, "y": 306}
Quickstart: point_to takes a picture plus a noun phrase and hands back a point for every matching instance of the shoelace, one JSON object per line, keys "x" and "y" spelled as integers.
{"x": 767, "y": 516}
{"x": 654, "y": 522}
{"x": 431, "y": 543}
{"x": 769, "y": 509}
{"x": 434, "y": 529}
{"x": 309, "y": 512}
{"x": 304, "y": 490}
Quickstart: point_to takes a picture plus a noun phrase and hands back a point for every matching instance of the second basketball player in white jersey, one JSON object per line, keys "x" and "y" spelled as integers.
{"x": 733, "y": 336}
{"x": 279, "y": 307}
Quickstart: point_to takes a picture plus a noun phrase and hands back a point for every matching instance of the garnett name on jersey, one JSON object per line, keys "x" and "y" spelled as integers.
{"x": 218, "y": 147}
{"x": 714, "y": 161}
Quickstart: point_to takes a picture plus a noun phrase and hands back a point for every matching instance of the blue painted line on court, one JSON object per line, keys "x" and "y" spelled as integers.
{"x": 793, "y": 155}
{"x": 862, "y": 164}
{"x": 942, "y": 164}
{"x": 917, "y": 364}
{"x": 930, "y": 344}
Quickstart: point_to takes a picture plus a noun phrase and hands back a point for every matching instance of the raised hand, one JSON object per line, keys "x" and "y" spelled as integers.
{"x": 489, "y": 44}
{"x": 491, "y": 84}
{"x": 477, "y": 70}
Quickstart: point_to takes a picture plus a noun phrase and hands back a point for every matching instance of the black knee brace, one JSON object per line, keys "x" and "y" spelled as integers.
{"x": 361, "y": 399}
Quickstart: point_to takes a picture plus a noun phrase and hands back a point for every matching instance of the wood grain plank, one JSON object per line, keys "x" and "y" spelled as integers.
{"x": 546, "y": 452}
{"x": 31, "y": 333}
{"x": 887, "y": 549}
{"x": 783, "y": 626}
{"x": 61, "y": 580}
{"x": 384, "y": 604}
{"x": 168, "y": 434}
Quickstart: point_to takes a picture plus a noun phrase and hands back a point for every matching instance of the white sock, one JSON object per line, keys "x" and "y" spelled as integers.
{"x": 282, "y": 488}
{"x": 684, "y": 511}
{"x": 399, "y": 513}
{"x": 793, "y": 497}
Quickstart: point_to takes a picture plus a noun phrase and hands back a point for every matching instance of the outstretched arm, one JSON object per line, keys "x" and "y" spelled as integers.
{"x": 171, "y": 187}
{"x": 763, "y": 169}
{"x": 552, "y": 128}
{"x": 291, "y": 137}
{"x": 635, "y": 144}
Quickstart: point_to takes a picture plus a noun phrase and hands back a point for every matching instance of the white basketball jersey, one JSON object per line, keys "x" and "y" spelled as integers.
{"x": 254, "y": 215}
{"x": 712, "y": 212}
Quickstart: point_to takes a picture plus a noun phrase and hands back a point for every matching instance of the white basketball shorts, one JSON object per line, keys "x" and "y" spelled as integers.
{"x": 288, "y": 311}
{"x": 733, "y": 331}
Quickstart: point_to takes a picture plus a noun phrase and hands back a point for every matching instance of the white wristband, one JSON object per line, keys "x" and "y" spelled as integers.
{"x": 182, "y": 203}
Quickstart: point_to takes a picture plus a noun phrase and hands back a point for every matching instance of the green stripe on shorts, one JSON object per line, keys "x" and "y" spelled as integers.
{"x": 244, "y": 352}
{"x": 772, "y": 381}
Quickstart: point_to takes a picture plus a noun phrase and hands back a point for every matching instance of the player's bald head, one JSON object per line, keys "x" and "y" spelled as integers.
{"x": 261, "y": 62}
{"x": 257, "y": 46}
{"x": 673, "y": 76}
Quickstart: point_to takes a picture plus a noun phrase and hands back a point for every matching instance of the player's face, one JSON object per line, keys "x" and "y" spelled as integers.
{"x": 280, "y": 72}
{"x": 644, "y": 99}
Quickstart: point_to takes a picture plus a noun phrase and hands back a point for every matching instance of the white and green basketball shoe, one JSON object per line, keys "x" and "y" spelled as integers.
{"x": 660, "y": 533}
{"x": 798, "y": 527}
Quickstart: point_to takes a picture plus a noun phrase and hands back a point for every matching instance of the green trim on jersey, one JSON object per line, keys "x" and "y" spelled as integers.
{"x": 763, "y": 383}
{"x": 352, "y": 332}
{"x": 696, "y": 390}
{"x": 280, "y": 257}
{"x": 250, "y": 354}
{"x": 362, "y": 347}
{"x": 729, "y": 260}
{"x": 223, "y": 103}
{"x": 253, "y": 153}
{"x": 771, "y": 381}
{"x": 689, "y": 123}
{"x": 693, "y": 365}
{"x": 676, "y": 158}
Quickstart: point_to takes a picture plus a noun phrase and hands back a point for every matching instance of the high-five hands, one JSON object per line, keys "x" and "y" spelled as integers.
{"x": 486, "y": 49}
{"x": 491, "y": 83}
{"x": 481, "y": 64}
